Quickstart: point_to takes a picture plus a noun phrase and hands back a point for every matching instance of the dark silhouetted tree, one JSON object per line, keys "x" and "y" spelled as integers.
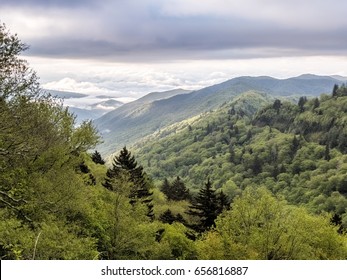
{"x": 205, "y": 207}
{"x": 335, "y": 90}
{"x": 277, "y": 105}
{"x": 175, "y": 190}
{"x": 96, "y": 157}
{"x": 168, "y": 217}
{"x": 301, "y": 103}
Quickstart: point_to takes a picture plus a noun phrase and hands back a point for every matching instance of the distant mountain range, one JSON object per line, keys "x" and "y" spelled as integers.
{"x": 82, "y": 108}
{"x": 132, "y": 121}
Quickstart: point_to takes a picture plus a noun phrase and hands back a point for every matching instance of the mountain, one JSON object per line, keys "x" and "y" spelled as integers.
{"x": 84, "y": 106}
{"x": 296, "y": 150}
{"x": 94, "y": 111}
{"x": 340, "y": 78}
{"x": 125, "y": 124}
{"x": 131, "y": 122}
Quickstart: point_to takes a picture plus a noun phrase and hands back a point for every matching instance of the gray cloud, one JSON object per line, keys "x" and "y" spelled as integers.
{"x": 46, "y": 3}
{"x": 150, "y": 30}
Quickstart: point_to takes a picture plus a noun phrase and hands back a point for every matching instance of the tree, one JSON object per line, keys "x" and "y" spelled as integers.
{"x": 166, "y": 187}
{"x": 175, "y": 190}
{"x": 125, "y": 165}
{"x": 316, "y": 103}
{"x": 327, "y": 152}
{"x": 335, "y": 91}
{"x": 96, "y": 157}
{"x": 277, "y": 105}
{"x": 205, "y": 207}
{"x": 168, "y": 217}
{"x": 16, "y": 78}
{"x": 301, "y": 103}
{"x": 261, "y": 226}
{"x": 41, "y": 150}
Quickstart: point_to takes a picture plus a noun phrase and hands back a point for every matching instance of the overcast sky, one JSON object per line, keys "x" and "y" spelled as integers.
{"x": 130, "y": 47}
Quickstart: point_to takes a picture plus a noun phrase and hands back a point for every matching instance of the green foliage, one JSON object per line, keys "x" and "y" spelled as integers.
{"x": 207, "y": 205}
{"x": 298, "y": 153}
{"x": 175, "y": 190}
{"x": 260, "y": 226}
{"x": 125, "y": 166}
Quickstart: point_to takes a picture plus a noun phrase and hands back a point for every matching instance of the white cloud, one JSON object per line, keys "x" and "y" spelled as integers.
{"x": 128, "y": 81}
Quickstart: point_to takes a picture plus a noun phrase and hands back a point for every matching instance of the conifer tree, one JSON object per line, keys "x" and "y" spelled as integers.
{"x": 178, "y": 190}
{"x": 205, "y": 206}
{"x": 166, "y": 187}
{"x": 335, "y": 90}
{"x": 167, "y": 217}
{"x": 301, "y": 103}
{"x": 96, "y": 157}
{"x": 175, "y": 190}
{"x": 125, "y": 164}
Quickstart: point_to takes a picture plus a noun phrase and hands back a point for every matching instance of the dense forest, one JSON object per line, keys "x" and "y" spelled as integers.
{"x": 258, "y": 178}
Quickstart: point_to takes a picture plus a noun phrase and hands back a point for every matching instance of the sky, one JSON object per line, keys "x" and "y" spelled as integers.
{"x": 127, "y": 48}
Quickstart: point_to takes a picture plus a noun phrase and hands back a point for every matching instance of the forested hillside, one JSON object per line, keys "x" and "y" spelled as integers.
{"x": 240, "y": 184}
{"x": 128, "y": 124}
{"x": 296, "y": 150}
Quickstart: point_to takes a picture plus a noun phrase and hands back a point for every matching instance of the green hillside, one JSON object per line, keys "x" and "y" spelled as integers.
{"x": 130, "y": 123}
{"x": 296, "y": 151}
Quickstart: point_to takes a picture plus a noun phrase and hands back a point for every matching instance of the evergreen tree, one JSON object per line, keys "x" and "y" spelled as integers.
{"x": 166, "y": 187}
{"x": 301, "y": 103}
{"x": 256, "y": 165}
{"x": 96, "y": 157}
{"x": 125, "y": 164}
{"x": 175, "y": 190}
{"x": 178, "y": 190}
{"x": 167, "y": 217}
{"x": 277, "y": 105}
{"x": 336, "y": 220}
{"x": 205, "y": 207}
{"x": 294, "y": 146}
{"x": 335, "y": 90}
{"x": 327, "y": 153}
{"x": 316, "y": 103}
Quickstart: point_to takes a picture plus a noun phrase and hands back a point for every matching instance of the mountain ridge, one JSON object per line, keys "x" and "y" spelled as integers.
{"x": 134, "y": 120}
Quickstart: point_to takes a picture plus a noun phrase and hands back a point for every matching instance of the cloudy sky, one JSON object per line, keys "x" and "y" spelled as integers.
{"x": 126, "y": 48}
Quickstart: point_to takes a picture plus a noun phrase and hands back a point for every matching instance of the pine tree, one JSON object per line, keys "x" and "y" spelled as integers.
{"x": 96, "y": 157}
{"x": 205, "y": 206}
{"x": 167, "y": 217}
{"x": 327, "y": 153}
{"x": 166, "y": 187}
{"x": 125, "y": 164}
{"x": 175, "y": 190}
{"x": 301, "y": 103}
{"x": 335, "y": 90}
{"x": 277, "y": 105}
{"x": 294, "y": 146}
{"x": 178, "y": 190}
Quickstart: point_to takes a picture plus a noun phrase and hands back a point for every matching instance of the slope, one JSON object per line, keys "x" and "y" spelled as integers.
{"x": 135, "y": 120}
{"x": 305, "y": 161}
